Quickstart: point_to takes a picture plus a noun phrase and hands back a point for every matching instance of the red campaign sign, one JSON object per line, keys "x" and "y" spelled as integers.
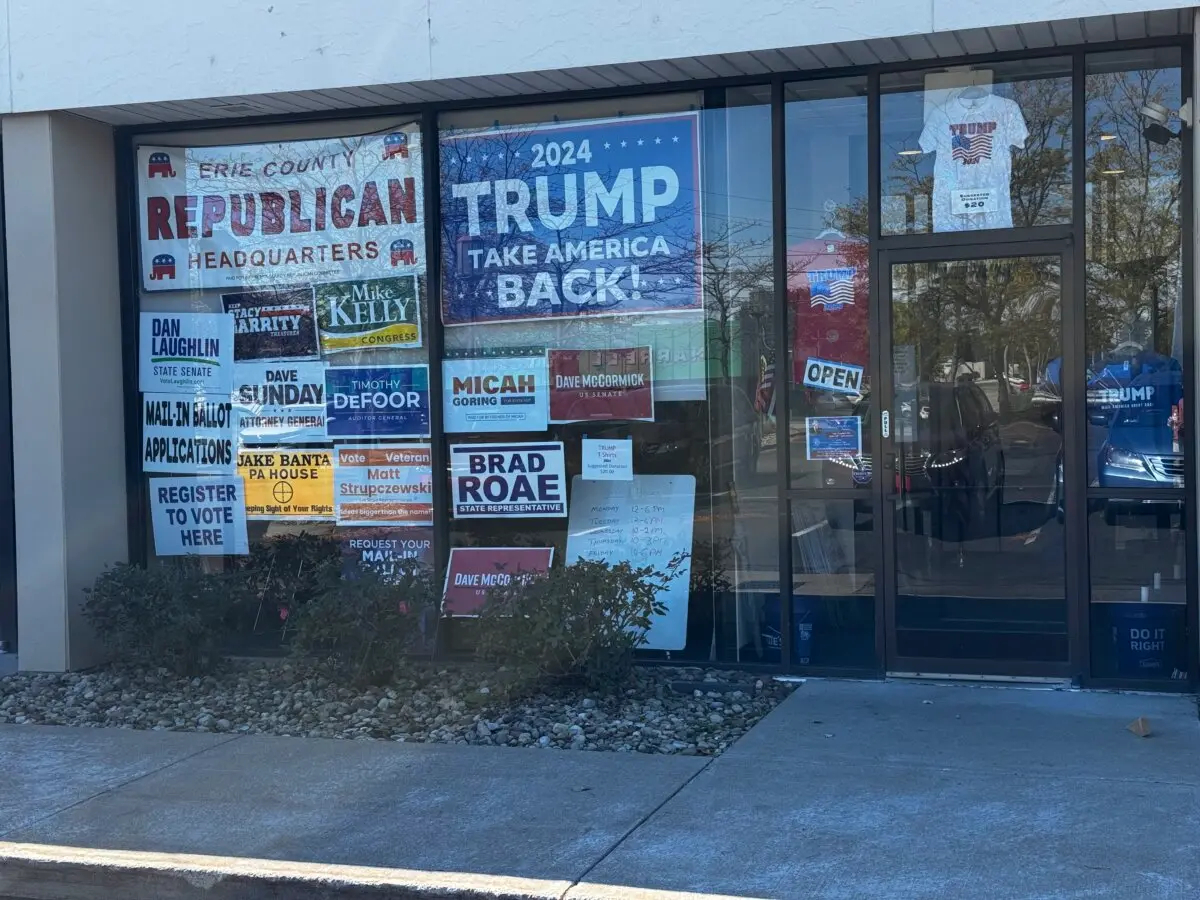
{"x": 594, "y": 385}
{"x": 473, "y": 571}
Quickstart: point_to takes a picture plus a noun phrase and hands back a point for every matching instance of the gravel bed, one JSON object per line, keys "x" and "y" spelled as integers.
{"x": 685, "y": 710}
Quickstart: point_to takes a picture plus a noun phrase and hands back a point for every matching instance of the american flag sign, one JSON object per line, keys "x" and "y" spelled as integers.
{"x": 970, "y": 149}
{"x": 831, "y": 288}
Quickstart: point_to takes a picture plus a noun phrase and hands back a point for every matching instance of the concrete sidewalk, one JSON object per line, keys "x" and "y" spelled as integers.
{"x": 847, "y": 790}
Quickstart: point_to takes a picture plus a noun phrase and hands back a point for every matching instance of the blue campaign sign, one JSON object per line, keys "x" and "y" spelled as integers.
{"x": 377, "y": 401}
{"x": 833, "y": 437}
{"x": 600, "y": 217}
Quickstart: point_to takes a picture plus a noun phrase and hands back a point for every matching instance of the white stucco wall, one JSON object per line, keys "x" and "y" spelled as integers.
{"x": 100, "y": 53}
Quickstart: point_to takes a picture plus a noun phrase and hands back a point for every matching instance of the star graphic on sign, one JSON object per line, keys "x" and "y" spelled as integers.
{"x": 675, "y": 140}
{"x": 658, "y": 140}
{"x": 516, "y": 153}
{"x": 607, "y": 145}
{"x": 661, "y": 282}
{"x": 678, "y": 280}
{"x": 624, "y": 144}
{"x": 485, "y": 157}
{"x": 468, "y": 159}
{"x": 640, "y": 142}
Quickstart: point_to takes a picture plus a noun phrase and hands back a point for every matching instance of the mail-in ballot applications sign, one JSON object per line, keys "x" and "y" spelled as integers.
{"x": 280, "y": 403}
{"x": 198, "y": 516}
{"x": 501, "y": 394}
{"x": 186, "y": 353}
{"x": 508, "y": 481}
{"x": 288, "y": 484}
{"x": 187, "y": 435}
{"x": 840, "y": 378}
{"x": 377, "y": 401}
{"x": 383, "y": 484}
{"x": 290, "y": 213}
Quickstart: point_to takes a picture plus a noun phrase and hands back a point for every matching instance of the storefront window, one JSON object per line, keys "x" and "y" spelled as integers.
{"x": 1135, "y": 385}
{"x": 607, "y": 277}
{"x": 283, "y": 356}
{"x": 828, "y": 278}
{"x": 976, "y": 147}
{"x": 1139, "y": 588}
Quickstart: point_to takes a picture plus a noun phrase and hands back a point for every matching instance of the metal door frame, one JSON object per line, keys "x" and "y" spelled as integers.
{"x": 1074, "y": 462}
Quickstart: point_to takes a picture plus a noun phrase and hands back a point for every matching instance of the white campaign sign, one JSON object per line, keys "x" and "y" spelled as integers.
{"x": 280, "y": 403}
{"x": 201, "y": 516}
{"x": 506, "y": 394}
{"x": 608, "y": 460}
{"x": 185, "y": 353}
{"x": 188, "y": 435}
{"x": 645, "y": 522}
{"x": 299, "y": 212}
{"x": 508, "y": 481}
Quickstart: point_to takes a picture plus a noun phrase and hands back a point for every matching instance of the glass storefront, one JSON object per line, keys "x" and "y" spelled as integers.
{"x": 893, "y": 362}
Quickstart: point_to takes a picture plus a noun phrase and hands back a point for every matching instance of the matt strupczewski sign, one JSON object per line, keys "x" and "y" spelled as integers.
{"x": 280, "y": 403}
{"x": 298, "y": 212}
{"x": 508, "y": 481}
{"x": 364, "y": 315}
{"x": 377, "y": 401}
{"x": 502, "y": 394}
{"x": 597, "y": 217}
{"x": 383, "y": 484}
{"x": 593, "y": 385}
{"x": 187, "y": 435}
{"x": 277, "y": 323}
{"x": 198, "y": 516}
{"x": 186, "y": 353}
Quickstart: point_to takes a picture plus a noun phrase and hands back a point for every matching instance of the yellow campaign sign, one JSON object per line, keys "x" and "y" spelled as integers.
{"x": 288, "y": 484}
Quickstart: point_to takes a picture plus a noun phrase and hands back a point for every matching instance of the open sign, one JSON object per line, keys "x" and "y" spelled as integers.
{"x": 839, "y": 378}
{"x": 403, "y": 252}
{"x": 160, "y": 165}
{"x": 395, "y": 144}
{"x": 162, "y": 266}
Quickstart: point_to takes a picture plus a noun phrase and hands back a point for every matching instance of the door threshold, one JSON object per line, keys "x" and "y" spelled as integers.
{"x": 1040, "y": 680}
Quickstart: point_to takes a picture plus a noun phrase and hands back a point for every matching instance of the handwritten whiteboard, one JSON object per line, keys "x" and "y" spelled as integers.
{"x": 645, "y": 522}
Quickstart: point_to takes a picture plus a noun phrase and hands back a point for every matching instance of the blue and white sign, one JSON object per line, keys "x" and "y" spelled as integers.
{"x": 199, "y": 516}
{"x": 832, "y": 437}
{"x": 280, "y": 403}
{"x": 185, "y": 353}
{"x": 377, "y": 401}
{"x": 599, "y": 217}
{"x": 508, "y": 481}
{"x": 840, "y": 378}
{"x": 645, "y": 522}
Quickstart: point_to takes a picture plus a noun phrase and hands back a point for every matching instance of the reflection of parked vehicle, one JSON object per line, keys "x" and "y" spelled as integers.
{"x": 950, "y": 461}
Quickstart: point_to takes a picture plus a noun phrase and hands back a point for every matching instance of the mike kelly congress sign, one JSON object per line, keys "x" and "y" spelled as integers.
{"x": 283, "y": 213}
{"x": 599, "y": 217}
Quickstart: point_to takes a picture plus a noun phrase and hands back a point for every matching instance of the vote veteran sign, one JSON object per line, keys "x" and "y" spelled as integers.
{"x": 508, "y": 481}
{"x": 288, "y": 484}
{"x": 361, "y": 315}
{"x": 383, "y": 484}
{"x": 185, "y": 353}
{"x": 198, "y": 516}
{"x": 377, "y": 401}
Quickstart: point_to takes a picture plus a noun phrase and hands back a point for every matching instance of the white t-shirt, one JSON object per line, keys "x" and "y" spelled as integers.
{"x": 973, "y": 167}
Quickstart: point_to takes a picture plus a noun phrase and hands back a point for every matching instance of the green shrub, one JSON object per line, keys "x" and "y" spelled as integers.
{"x": 365, "y": 627}
{"x": 172, "y": 614}
{"x": 284, "y": 573}
{"x": 578, "y": 622}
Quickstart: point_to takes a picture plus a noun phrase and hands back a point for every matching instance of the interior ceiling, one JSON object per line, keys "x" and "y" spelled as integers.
{"x": 912, "y": 48}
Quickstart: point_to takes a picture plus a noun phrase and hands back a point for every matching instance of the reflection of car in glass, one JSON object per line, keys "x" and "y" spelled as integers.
{"x": 950, "y": 460}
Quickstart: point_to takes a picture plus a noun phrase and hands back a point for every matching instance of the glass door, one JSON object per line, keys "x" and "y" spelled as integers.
{"x": 972, "y": 442}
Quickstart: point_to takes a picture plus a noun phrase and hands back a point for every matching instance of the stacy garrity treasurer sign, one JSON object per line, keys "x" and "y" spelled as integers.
{"x": 597, "y": 217}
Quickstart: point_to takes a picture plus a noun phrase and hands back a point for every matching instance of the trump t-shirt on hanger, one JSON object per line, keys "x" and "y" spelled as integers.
{"x": 973, "y": 134}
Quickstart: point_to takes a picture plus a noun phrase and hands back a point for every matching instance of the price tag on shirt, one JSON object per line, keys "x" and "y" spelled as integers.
{"x": 970, "y": 202}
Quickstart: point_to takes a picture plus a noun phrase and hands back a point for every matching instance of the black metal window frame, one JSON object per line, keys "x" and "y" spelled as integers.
{"x": 126, "y": 140}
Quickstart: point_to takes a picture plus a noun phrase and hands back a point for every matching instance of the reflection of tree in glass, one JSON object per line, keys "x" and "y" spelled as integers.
{"x": 1133, "y": 224}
